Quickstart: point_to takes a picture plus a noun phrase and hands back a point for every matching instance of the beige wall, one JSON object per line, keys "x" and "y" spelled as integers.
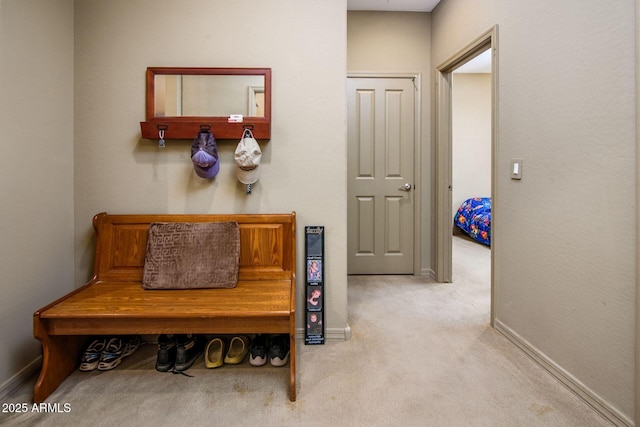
{"x": 399, "y": 42}
{"x": 303, "y": 166}
{"x": 36, "y": 172}
{"x": 471, "y": 135}
{"x": 565, "y": 235}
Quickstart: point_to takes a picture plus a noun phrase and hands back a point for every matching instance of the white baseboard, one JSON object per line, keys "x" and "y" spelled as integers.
{"x": 20, "y": 378}
{"x": 428, "y": 273}
{"x": 330, "y": 334}
{"x": 338, "y": 334}
{"x": 575, "y": 385}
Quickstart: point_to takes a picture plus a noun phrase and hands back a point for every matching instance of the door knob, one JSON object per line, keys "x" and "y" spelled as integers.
{"x": 406, "y": 187}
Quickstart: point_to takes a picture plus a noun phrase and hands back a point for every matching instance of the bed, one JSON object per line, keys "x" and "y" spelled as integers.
{"x": 474, "y": 219}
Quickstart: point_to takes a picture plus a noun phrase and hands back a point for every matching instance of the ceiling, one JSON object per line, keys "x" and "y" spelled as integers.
{"x": 479, "y": 64}
{"x": 393, "y": 5}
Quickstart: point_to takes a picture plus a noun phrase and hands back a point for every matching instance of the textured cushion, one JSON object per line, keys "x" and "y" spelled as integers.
{"x": 186, "y": 255}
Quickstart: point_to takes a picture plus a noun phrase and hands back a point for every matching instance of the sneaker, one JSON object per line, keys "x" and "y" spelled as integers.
{"x": 166, "y": 353}
{"x": 279, "y": 350}
{"x": 189, "y": 347}
{"x": 112, "y": 354}
{"x": 131, "y": 345}
{"x": 258, "y": 351}
{"x": 91, "y": 356}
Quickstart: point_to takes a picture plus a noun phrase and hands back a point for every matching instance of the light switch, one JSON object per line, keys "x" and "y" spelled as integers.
{"x": 516, "y": 169}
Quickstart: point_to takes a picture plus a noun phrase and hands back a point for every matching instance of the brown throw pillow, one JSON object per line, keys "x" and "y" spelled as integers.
{"x": 187, "y": 255}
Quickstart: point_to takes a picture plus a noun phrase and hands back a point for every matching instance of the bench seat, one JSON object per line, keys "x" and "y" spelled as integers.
{"x": 100, "y": 306}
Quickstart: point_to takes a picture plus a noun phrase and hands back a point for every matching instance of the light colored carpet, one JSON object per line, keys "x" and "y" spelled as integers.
{"x": 421, "y": 354}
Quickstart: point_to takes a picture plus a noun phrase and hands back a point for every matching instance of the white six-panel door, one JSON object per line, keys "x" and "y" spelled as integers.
{"x": 381, "y": 115}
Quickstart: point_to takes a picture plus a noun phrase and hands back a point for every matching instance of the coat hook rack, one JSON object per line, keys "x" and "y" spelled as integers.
{"x": 187, "y": 127}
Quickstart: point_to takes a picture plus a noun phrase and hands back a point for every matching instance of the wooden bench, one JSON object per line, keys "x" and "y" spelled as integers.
{"x": 113, "y": 302}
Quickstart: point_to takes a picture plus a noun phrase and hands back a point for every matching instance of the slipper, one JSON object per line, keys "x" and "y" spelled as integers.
{"x": 238, "y": 349}
{"x": 213, "y": 353}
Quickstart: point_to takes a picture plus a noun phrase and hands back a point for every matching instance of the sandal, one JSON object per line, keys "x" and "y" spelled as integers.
{"x": 238, "y": 349}
{"x": 213, "y": 353}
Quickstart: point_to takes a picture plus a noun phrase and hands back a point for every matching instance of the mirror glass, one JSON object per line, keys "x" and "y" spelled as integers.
{"x": 188, "y": 95}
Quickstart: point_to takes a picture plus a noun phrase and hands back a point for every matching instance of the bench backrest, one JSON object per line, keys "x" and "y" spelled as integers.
{"x": 267, "y": 244}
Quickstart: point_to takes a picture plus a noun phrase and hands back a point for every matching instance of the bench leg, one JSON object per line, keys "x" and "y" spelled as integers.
{"x": 59, "y": 359}
{"x": 292, "y": 367}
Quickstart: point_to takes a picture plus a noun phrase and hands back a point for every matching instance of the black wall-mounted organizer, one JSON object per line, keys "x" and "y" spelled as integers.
{"x": 315, "y": 289}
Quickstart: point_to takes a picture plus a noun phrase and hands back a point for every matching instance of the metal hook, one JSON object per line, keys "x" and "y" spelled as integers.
{"x": 161, "y": 129}
{"x": 247, "y": 131}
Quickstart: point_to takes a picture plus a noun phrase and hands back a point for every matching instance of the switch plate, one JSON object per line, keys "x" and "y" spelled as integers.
{"x": 516, "y": 169}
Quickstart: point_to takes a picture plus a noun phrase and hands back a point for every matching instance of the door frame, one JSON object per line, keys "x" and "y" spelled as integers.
{"x": 637, "y": 364}
{"x": 417, "y": 170}
{"x": 443, "y": 147}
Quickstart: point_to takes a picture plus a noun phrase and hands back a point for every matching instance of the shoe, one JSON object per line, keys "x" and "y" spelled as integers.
{"x": 213, "y": 354}
{"x": 188, "y": 348}
{"x": 166, "y": 353}
{"x": 112, "y": 354}
{"x": 258, "y": 351}
{"x": 279, "y": 350}
{"x": 131, "y": 345}
{"x": 238, "y": 349}
{"x": 91, "y": 356}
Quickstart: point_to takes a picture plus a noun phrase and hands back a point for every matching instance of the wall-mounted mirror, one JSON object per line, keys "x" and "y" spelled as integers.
{"x": 178, "y": 95}
{"x": 181, "y": 100}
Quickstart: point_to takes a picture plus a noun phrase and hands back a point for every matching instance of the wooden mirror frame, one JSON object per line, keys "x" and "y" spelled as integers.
{"x": 188, "y": 127}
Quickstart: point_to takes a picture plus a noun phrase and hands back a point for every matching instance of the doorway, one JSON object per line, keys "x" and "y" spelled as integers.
{"x": 382, "y": 123}
{"x": 444, "y": 157}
